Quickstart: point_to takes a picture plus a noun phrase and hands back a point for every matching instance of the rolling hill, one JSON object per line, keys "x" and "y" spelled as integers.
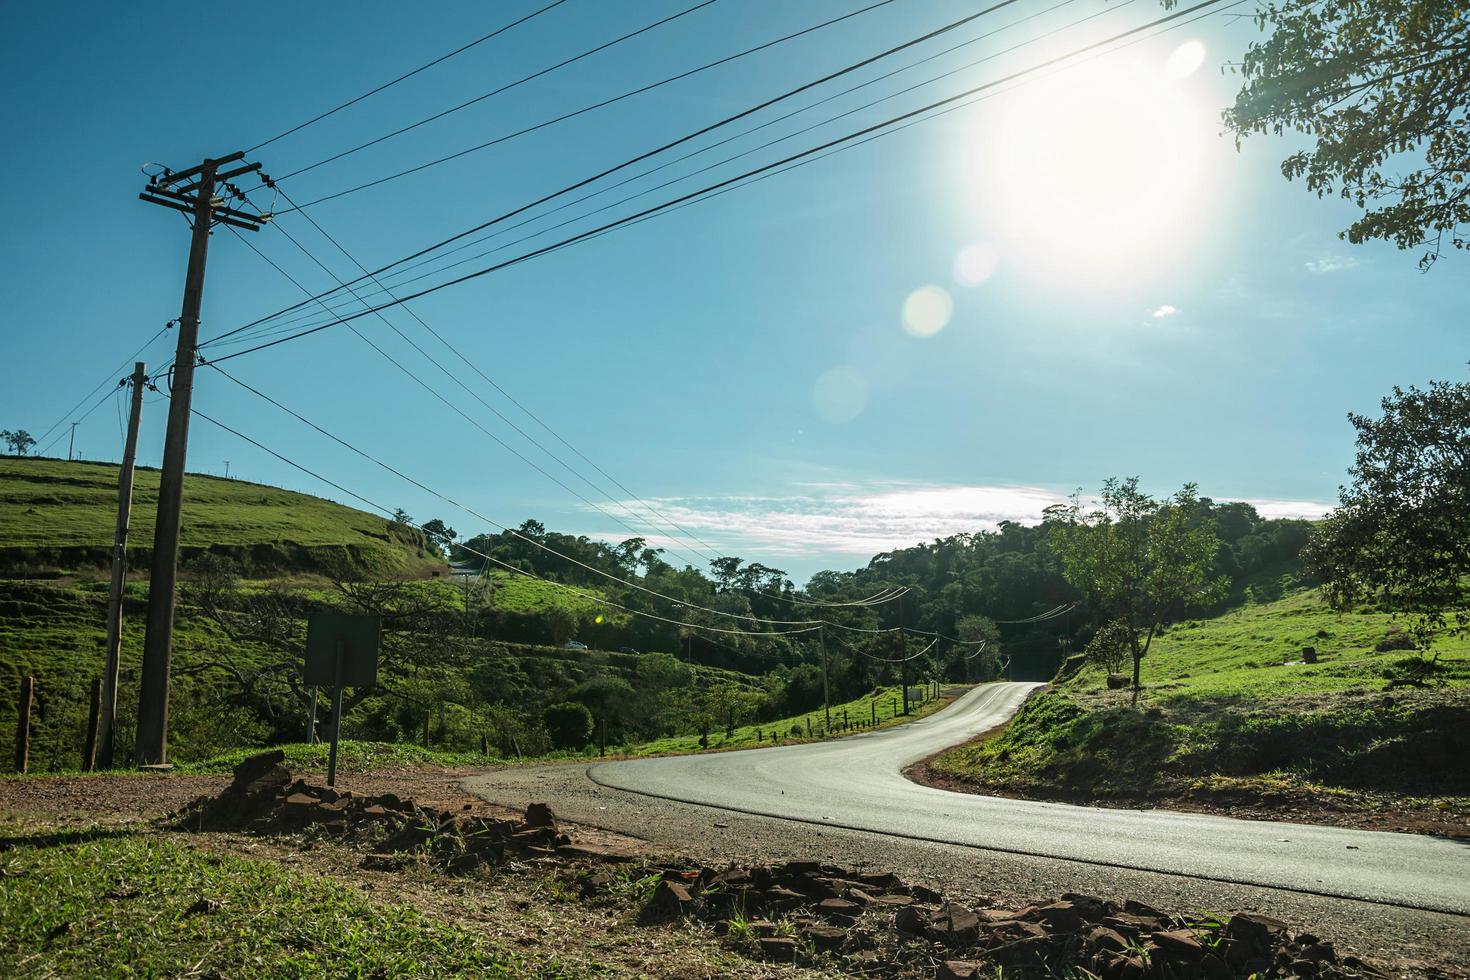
{"x": 58, "y": 516}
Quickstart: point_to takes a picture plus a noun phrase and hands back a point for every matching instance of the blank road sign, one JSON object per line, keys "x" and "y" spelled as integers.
{"x": 358, "y": 636}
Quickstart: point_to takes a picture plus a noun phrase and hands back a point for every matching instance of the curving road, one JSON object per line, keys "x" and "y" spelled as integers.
{"x": 857, "y": 783}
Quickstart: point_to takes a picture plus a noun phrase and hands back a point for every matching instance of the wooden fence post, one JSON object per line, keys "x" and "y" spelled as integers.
{"x": 23, "y": 723}
{"x": 89, "y": 750}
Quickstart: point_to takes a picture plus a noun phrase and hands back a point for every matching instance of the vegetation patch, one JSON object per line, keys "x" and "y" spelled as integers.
{"x": 99, "y": 904}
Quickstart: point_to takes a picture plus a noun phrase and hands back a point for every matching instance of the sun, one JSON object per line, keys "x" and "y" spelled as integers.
{"x": 1111, "y": 169}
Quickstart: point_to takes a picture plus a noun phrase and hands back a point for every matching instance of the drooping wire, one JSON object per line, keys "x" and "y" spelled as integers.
{"x": 406, "y": 75}
{"x": 520, "y": 571}
{"x": 592, "y": 107}
{"x": 660, "y": 149}
{"x": 505, "y": 88}
{"x": 873, "y": 129}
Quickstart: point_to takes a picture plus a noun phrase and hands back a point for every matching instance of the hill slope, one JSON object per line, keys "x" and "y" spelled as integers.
{"x": 1231, "y": 716}
{"x": 60, "y": 515}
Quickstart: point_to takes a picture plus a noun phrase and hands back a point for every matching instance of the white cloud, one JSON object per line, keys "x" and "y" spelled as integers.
{"x": 1158, "y": 313}
{"x": 1279, "y": 509}
{"x": 841, "y": 519}
{"x": 1331, "y": 263}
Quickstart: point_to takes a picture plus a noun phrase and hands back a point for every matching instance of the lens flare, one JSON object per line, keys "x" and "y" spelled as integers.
{"x": 841, "y": 394}
{"x": 927, "y": 311}
{"x": 975, "y": 264}
{"x": 1186, "y": 59}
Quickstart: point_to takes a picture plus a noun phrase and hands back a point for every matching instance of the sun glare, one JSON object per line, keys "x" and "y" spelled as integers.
{"x": 1102, "y": 174}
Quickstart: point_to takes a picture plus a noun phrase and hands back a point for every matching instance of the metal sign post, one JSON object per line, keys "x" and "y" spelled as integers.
{"x": 341, "y": 650}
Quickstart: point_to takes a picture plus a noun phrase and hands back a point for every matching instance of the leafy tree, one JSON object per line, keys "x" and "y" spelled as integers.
{"x": 1382, "y": 87}
{"x": 400, "y": 516}
{"x": 440, "y": 535}
{"x": 562, "y": 623}
{"x": 19, "y": 441}
{"x": 1137, "y": 561}
{"x": 569, "y": 724}
{"x": 1401, "y": 531}
{"x": 974, "y": 631}
{"x": 731, "y": 704}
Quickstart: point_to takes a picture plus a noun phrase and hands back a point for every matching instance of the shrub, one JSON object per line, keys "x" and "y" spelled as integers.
{"x": 569, "y": 724}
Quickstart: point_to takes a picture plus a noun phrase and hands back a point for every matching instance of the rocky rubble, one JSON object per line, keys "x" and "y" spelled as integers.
{"x": 266, "y": 797}
{"x": 874, "y": 924}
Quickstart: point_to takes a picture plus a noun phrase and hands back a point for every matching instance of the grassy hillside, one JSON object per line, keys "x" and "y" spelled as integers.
{"x": 1229, "y": 707}
{"x": 58, "y": 515}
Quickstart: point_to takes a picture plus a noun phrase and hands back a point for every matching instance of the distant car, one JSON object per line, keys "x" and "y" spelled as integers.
{"x": 575, "y": 645}
{"x": 626, "y": 650}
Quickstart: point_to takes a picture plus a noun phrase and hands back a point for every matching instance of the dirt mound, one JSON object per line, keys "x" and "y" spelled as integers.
{"x": 266, "y": 797}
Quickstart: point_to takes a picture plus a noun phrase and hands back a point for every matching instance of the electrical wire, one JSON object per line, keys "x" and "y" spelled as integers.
{"x": 496, "y": 524}
{"x": 872, "y": 600}
{"x": 405, "y": 76}
{"x": 505, "y": 88}
{"x": 108, "y": 380}
{"x": 635, "y": 177}
{"x": 667, "y": 146}
{"x": 572, "y": 589}
{"x": 545, "y": 123}
{"x": 649, "y": 212}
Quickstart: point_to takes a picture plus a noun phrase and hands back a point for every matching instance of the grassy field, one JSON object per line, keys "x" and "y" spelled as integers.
{"x": 885, "y": 705}
{"x": 61, "y": 514}
{"x": 79, "y": 903}
{"x": 1228, "y": 703}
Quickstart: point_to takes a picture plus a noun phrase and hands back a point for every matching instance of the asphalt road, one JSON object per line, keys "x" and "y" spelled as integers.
{"x": 857, "y": 783}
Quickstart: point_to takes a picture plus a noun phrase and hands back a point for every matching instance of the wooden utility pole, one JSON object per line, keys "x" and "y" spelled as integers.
{"x": 191, "y": 191}
{"x": 23, "y": 723}
{"x": 89, "y": 748}
{"x": 903, "y": 654}
{"x": 826, "y": 689}
{"x": 107, "y": 723}
{"x": 71, "y": 442}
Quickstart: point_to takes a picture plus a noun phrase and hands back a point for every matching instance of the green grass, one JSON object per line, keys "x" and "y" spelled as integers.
{"x": 880, "y": 703}
{"x": 61, "y": 514}
{"x": 78, "y": 903}
{"x": 1255, "y": 652}
{"x": 1228, "y": 702}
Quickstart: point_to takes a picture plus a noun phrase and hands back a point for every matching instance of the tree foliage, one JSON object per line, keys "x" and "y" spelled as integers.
{"x": 1402, "y": 530}
{"x": 1136, "y": 561}
{"x": 569, "y": 724}
{"x": 1383, "y": 89}
{"x": 19, "y": 441}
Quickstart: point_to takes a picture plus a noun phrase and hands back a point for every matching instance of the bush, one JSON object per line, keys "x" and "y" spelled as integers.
{"x": 569, "y": 724}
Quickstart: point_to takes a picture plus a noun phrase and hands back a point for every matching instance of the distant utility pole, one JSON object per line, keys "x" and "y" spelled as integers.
{"x": 903, "y": 654}
{"x": 826, "y": 690}
{"x": 191, "y": 191}
{"x": 72, "y": 442}
{"x": 227, "y": 469}
{"x": 108, "y": 717}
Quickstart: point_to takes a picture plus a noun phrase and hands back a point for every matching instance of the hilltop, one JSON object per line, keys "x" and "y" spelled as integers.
{"x": 58, "y": 516}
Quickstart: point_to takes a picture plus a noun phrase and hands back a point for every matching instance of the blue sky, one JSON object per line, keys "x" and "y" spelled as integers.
{"x": 1137, "y": 296}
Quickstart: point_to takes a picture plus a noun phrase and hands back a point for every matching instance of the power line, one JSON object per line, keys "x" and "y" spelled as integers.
{"x": 504, "y": 88}
{"x": 728, "y": 182}
{"x": 545, "y": 123}
{"x": 638, "y": 176}
{"x": 505, "y": 529}
{"x": 407, "y": 75}
{"x": 667, "y": 146}
{"x": 575, "y": 591}
{"x": 871, "y": 600}
{"x": 107, "y": 380}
